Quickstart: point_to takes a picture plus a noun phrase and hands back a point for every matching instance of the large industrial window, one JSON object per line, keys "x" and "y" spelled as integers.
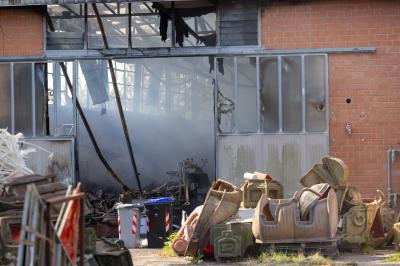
{"x": 22, "y": 98}
{"x": 131, "y": 25}
{"x": 272, "y": 94}
{"x": 166, "y": 102}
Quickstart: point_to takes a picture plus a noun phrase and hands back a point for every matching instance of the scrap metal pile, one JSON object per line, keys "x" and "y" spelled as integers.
{"x": 324, "y": 216}
{"x": 42, "y": 218}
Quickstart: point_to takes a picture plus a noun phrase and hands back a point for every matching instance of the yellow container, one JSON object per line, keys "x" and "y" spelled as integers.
{"x": 253, "y": 190}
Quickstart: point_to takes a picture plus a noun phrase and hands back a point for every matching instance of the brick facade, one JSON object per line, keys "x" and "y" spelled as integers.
{"x": 370, "y": 81}
{"x": 21, "y": 31}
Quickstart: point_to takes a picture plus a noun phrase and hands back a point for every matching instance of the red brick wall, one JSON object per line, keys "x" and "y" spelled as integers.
{"x": 371, "y": 81}
{"x": 21, "y": 31}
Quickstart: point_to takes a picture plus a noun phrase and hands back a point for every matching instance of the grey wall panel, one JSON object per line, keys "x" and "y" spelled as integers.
{"x": 61, "y": 163}
{"x": 238, "y": 24}
{"x": 236, "y": 155}
{"x": 285, "y": 156}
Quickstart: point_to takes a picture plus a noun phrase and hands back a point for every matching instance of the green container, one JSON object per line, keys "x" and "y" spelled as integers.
{"x": 231, "y": 240}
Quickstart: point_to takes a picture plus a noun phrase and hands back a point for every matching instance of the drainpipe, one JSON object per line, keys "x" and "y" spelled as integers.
{"x": 389, "y": 175}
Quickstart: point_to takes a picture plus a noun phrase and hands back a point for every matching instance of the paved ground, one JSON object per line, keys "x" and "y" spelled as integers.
{"x": 151, "y": 257}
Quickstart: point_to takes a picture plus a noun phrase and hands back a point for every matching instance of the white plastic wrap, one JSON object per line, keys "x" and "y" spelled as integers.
{"x": 12, "y": 157}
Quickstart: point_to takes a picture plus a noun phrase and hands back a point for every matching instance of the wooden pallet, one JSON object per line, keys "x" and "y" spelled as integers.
{"x": 327, "y": 248}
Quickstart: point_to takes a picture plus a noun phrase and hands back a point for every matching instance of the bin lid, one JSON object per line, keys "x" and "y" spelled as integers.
{"x": 128, "y": 206}
{"x": 158, "y": 200}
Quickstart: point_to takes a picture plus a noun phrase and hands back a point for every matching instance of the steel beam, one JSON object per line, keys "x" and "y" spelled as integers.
{"x": 5, "y": 3}
{"x": 68, "y": 55}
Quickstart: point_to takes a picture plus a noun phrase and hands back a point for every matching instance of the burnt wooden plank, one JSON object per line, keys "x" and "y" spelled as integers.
{"x": 23, "y": 180}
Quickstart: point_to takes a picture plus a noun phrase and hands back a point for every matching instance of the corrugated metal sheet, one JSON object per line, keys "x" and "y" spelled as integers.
{"x": 238, "y": 23}
{"x": 285, "y": 156}
{"x": 64, "y": 40}
{"x": 61, "y": 163}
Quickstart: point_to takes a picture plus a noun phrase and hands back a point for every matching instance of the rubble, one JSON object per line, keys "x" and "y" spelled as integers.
{"x": 233, "y": 222}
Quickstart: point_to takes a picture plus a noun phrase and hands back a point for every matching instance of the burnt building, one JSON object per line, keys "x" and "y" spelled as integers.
{"x": 269, "y": 86}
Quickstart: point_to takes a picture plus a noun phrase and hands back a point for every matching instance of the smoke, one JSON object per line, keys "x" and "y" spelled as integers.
{"x": 169, "y": 112}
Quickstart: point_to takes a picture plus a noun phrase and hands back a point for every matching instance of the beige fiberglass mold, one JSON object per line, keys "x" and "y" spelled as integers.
{"x": 361, "y": 221}
{"x": 222, "y": 202}
{"x": 312, "y": 216}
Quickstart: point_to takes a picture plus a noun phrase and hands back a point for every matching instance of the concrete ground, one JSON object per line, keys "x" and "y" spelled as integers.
{"x": 152, "y": 257}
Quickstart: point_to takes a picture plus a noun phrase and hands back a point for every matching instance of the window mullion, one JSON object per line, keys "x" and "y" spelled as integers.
{"x": 258, "y": 105}
{"x": 326, "y": 93}
{"x": 33, "y": 100}
{"x": 303, "y": 95}
{"x": 235, "y": 96}
{"x": 280, "y": 92}
{"x": 12, "y": 98}
{"x": 74, "y": 96}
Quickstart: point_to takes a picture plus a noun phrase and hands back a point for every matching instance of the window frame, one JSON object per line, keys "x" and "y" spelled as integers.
{"x": 31, "y": 90}
{"x": 90, "y": 28}
{"x": 258, "y": 102}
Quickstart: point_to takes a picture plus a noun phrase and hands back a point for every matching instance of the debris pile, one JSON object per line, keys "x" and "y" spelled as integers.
{"x": 324, "y": 216}
{"x": 357, "y": 215}
{"x": 42, "y": 219}
{"x": 232, "y": 222}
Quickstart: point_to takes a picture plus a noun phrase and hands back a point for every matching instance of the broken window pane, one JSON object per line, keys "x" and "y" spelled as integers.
{"x": 68, "y": 27}
{"x": 92, "y": 77}
{"x": 23, "y": 98}
{"x": 160, "y": 105}
{"x": 226, "y": 94}
{"x": 5, "y": 97}
{"x": 146, "y": 27}
{"x": 246, "y": 111}
{"x": 269, "y": 94}
{"x": 60, "y": 103}
{"x": 204, "y": 27}
{"x": 115, "y": 21}
{"x": 291, "y": 94}
{"x": 315, "y": 93}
